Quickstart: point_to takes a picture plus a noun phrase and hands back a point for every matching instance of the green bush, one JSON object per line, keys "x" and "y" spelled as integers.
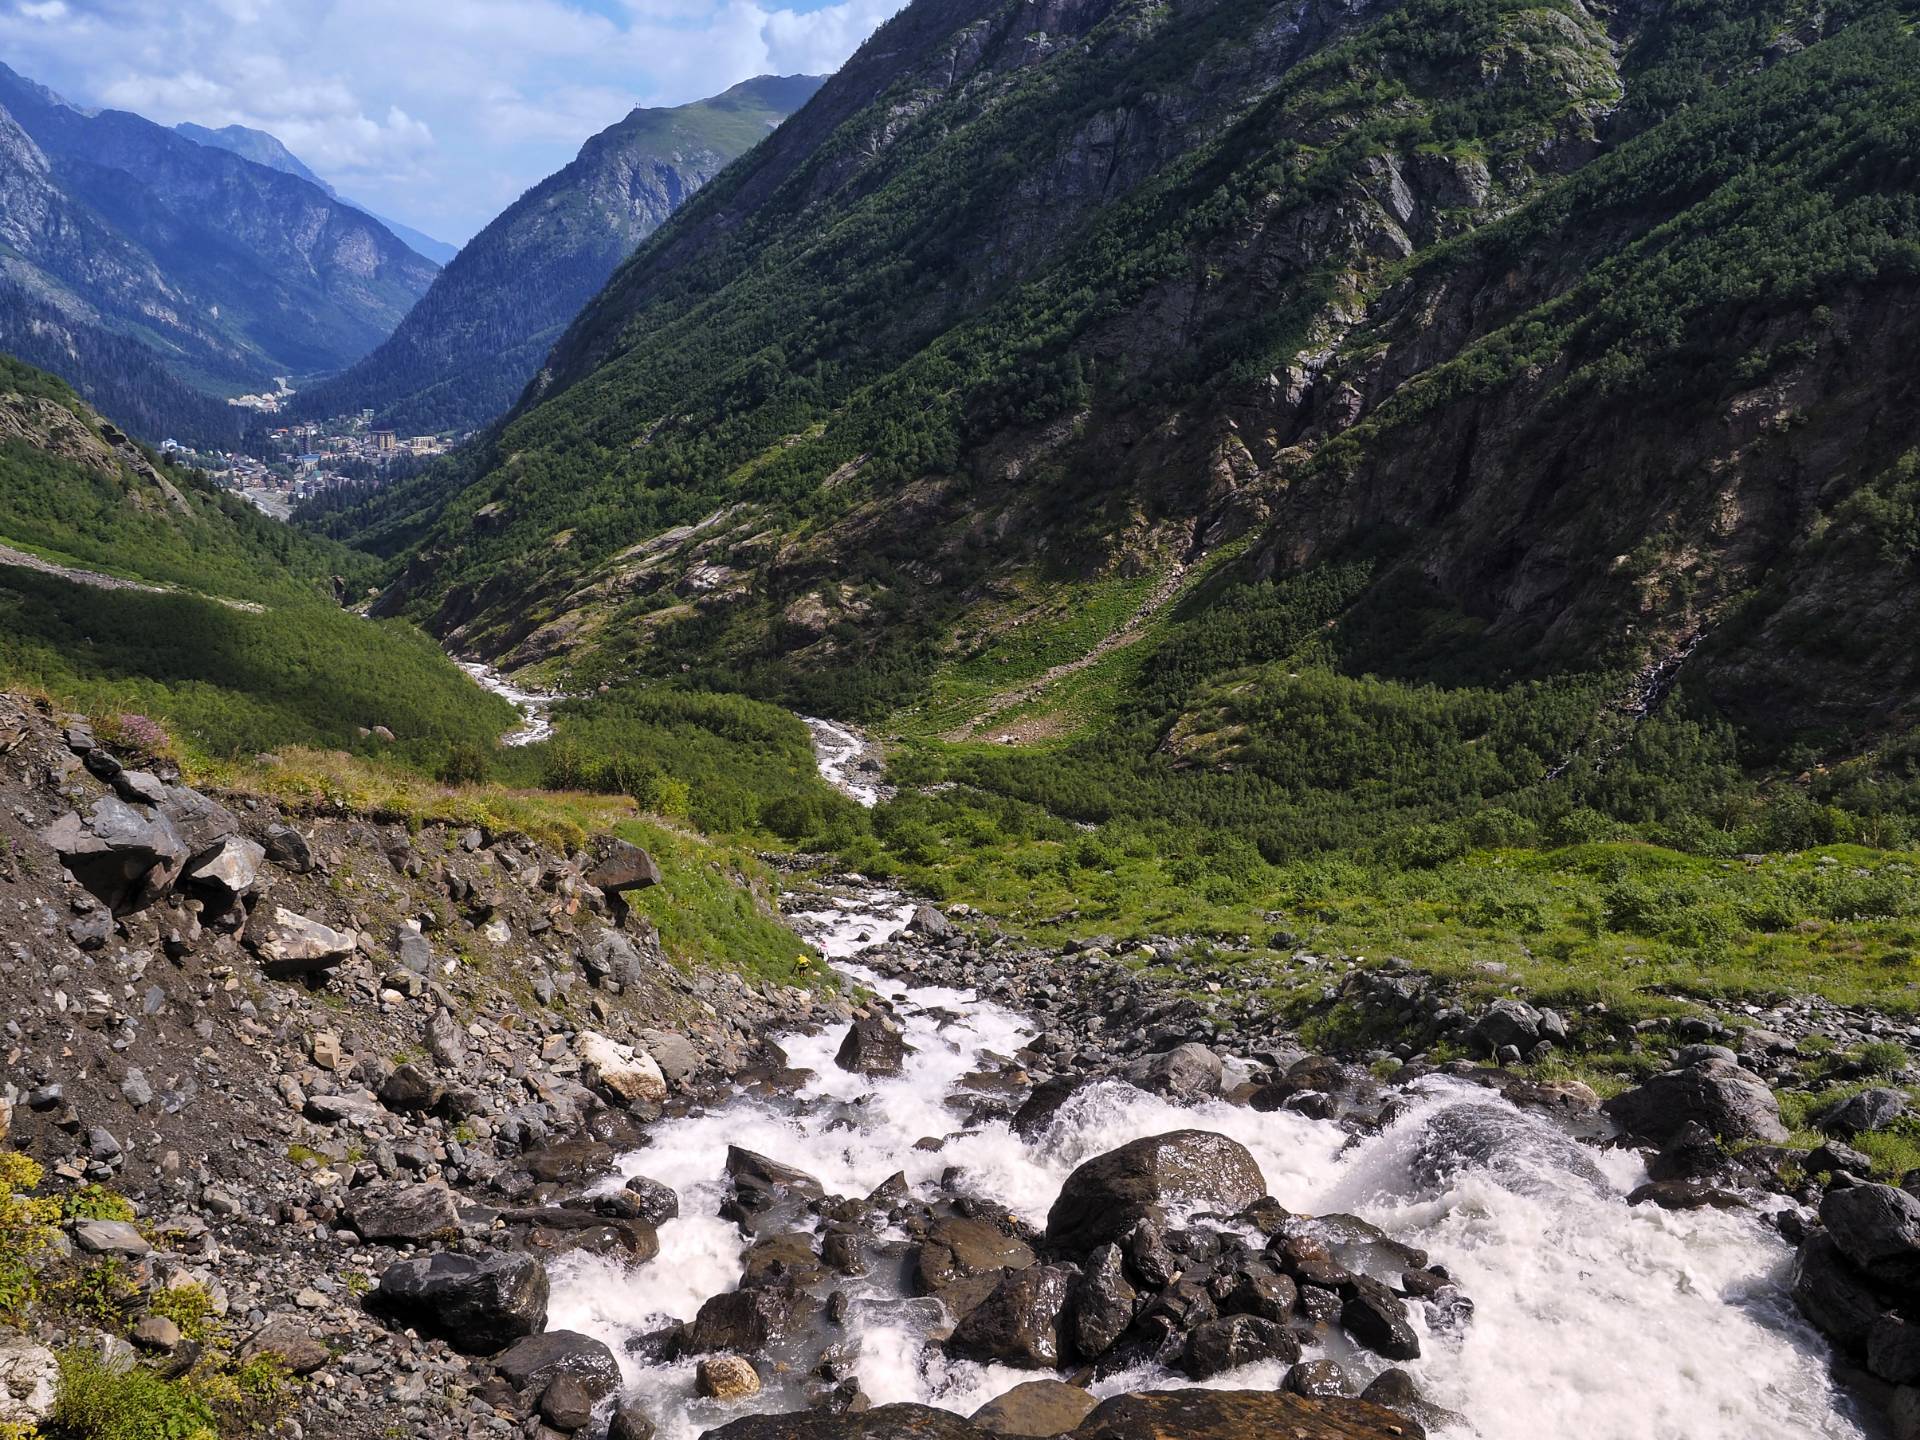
{"x": 97, "y": 1402}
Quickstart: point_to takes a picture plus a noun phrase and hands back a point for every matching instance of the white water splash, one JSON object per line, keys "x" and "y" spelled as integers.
{"x": 536, "y": 723}
{"x": 1593, "y": 1318}
{"x": 841, "y": 751}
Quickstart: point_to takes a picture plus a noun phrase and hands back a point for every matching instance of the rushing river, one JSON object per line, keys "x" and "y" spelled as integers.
{"x": 534, "y": 707}
{"x": 1593, "y": 1318}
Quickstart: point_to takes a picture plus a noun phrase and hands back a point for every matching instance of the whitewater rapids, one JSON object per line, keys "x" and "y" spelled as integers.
{"x": 1593, "y": 1318}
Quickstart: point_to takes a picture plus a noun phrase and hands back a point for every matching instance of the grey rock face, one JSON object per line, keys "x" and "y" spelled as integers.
{"x": 535, "y": 1362}
{"x": 1878, "y": 1228}
{"x": 126, "y": 858}
{"x": 1872, "y": 1109}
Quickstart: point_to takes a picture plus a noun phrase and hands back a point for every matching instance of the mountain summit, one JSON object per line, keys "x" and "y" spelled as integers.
{"x": 470, "y": 347}
{"x": 132, "y": 250}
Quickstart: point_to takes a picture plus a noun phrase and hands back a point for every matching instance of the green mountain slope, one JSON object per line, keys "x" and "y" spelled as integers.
{"x": 468, "y": 349}
{"x": 128, "y": 587}
{"x": 1152, "y": 379}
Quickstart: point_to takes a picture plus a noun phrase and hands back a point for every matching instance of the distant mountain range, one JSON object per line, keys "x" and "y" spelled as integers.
{"x": 264, "y": 149}
{"x": 468, "y": 350}
{"x": 156, "y": 272}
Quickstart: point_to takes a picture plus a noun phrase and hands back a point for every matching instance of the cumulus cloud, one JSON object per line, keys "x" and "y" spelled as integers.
{"x": 437, "y": 113}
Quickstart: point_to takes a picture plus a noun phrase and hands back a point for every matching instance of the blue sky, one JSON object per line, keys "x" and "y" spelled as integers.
{"x": 435, "y": 112}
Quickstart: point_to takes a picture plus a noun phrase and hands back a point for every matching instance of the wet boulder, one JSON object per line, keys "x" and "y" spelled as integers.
{"x": 1037, "y": 1408}
{"x": 873, "y": 1046}
{"x": 1186, "y": 1072}
{"x": 652, "y": 1202}
{"x": 289, "y": 944}
{"x": 1233, "y": 1341}
{"x": 619, "y": 1072}
{"x": 744, "y": 1321}
{"x": 726, "y": 1377}
{"x": 1023, "y": 1322}
{"x": 1723, "y": 1099}
{"x": 1184, "y": 1170}
{"x": 1241, "y": 1415}
{"x": 958, "y": 1248}
{"x": 1877, "y": 1227}
{"x": 1318, "y": 1380}
{"x": 1259, "y": 1290}
{"x": 1691, "y": 1153}
{"x": 1039, "y": 1108}
{"x": 882, "y": 1422}
{"x": 1104, "y": 1303}
{"x": 1377, "y": 1318}
{"x": 1834, "y": 1296}
{"x": 1872, "y": 1109}
{"x": 532, "y": 1364}
{"x": 759, "y": 1183}
{"x": 1394, "y": 1390}
{"x": 477, "y": 1304}
{"x": 127, "y": 858}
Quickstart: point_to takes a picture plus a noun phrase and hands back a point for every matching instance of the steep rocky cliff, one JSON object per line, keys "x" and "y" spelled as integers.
{"x": 469, "y": 348}
{"x": 227, "y": 273}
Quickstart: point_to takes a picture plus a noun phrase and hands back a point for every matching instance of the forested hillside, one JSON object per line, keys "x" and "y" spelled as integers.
{"x": 131, "y": 588}
{"x": 465, "y": 353}
{"x": 1575, "y": 331}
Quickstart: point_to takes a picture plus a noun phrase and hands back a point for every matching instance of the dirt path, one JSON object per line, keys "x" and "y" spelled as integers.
{"x": 1125, "y": 634}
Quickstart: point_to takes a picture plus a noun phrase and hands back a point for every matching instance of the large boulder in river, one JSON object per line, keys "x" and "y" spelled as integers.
{"x": 1235, "y": 1340}
{"x": 1183, "y": 1170}
{"x": 760, "y": 1182}
{"x": 1833, "y": 1295}
{"x": 1878, "y": 1228}
{"x": 1022, "y": 1322}
{"x": 883, "y": 1422}
{"x": 478, "y": 1304}
{"x": 536, "y": 1362}
{"x": 1722, "y": 1098}
{"x": 1036, "y": 1409}
{"x": 1186, "y": 1072}
{"x": 957, "y": 1248}
{"x": 127, "y": 857}
{"x": 1241, "y": 1415}
{"x": 874, "y": 1046}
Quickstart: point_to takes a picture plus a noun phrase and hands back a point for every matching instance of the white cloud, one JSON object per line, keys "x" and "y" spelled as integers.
{"x": 435, "y": 111}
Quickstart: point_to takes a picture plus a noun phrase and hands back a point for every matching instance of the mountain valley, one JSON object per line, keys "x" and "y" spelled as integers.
{"x": 1135, "y": 723}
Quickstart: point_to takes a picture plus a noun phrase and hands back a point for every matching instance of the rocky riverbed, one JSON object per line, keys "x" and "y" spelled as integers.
{"x": 429, "y": 1117}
